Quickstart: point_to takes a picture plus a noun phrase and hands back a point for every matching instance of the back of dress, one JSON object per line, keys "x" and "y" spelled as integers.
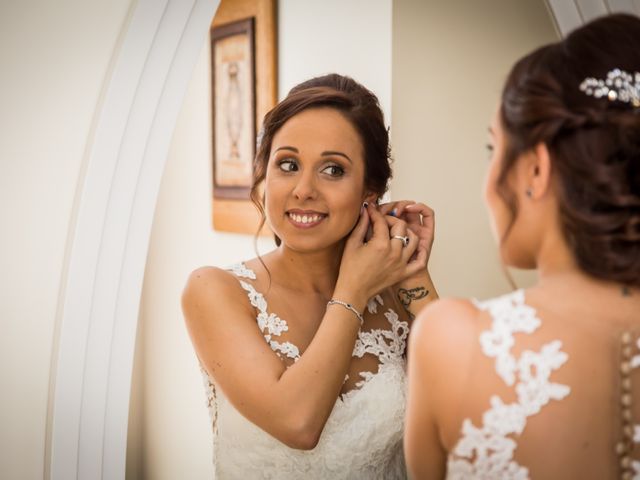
{"x": 554, "y": 392}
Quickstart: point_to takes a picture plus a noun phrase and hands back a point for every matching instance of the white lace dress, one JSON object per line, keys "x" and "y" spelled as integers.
{"x": 362, "y": 438}
{"x": 486, "y": 450}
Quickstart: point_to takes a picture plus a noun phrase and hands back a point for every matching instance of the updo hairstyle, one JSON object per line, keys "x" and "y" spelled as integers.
{"x": 360, "y": 107}
{"x": 594, "y": 143}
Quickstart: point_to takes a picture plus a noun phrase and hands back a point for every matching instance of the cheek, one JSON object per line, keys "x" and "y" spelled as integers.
{"x": 489, "y": 187}
{"x": 493, "y": 202}
{"x": 274, "y": 187}
{"x": 274, "y": 196}
{"x": 350, "y": 200}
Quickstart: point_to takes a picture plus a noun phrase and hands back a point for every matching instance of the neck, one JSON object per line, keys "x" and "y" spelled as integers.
{"x": 558, "y": 269}
{"x": 307, "y": 272}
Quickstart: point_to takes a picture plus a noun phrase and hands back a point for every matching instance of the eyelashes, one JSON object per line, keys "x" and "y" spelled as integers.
{"x": 334, "y": 170}
{"x": 287, "y": 165}
{"x": 290, "y": 165}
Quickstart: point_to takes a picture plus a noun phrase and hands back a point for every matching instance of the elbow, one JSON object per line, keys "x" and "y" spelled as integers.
{"x": 304, "y": 436}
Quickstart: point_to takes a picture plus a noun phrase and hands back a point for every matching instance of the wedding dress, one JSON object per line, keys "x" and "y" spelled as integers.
{"x": 362, "y": 438}
{"x": 539, "y": 409}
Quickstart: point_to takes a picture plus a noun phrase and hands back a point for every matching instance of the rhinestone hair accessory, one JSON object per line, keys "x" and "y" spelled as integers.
{"x": 619, "y": 86}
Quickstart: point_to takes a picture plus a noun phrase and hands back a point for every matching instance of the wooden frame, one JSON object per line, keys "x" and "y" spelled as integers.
{"x": 233, "y": 88}
{"x": 232, "y": 211}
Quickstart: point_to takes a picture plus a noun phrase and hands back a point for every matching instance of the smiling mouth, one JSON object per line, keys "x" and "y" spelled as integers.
{"x": 306, "y": 219}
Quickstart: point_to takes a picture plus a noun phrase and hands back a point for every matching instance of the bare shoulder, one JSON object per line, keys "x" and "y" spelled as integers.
{"x": 209, "y": 290}
{"x": 446, "y": 322}
{"x": 442, "y": 346}
{"x": 204, "y": 281}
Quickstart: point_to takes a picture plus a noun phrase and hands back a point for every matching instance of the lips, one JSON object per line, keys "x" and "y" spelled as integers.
{"x": 305, "y": 219}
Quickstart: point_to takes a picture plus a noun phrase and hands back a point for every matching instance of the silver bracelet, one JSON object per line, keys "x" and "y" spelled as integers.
{"x": 348, "y": 306}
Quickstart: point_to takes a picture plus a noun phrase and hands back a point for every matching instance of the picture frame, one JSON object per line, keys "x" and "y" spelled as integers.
{"x": 231, "y": 207}
{"x": 233, "y": 89}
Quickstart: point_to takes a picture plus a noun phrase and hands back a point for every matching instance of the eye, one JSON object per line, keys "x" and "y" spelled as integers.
{"x": 333, "y": 170}
{"x": 288, "y": 165}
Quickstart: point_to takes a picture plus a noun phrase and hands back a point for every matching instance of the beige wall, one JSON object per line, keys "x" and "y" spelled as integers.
{"x": 54, "y": 58}
{"x": 449, "y": 61}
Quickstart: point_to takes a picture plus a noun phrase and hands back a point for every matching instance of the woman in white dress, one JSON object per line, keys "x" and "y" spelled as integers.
{"x": 303, "y": 349}
{"x": 543, "y": 382}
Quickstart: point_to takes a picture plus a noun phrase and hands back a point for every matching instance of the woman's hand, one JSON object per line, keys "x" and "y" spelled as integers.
{"x": 368, "y": 267}
{"x": 416, "y": 291}
{"x": 420, "y": 220}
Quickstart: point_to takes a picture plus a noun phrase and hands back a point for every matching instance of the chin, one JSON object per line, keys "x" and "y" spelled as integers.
{"x": 305, "y": 242}
{"x": 308, "y": 247}
{"x": 311, "y": 241}
{"x": 519, "y": 260}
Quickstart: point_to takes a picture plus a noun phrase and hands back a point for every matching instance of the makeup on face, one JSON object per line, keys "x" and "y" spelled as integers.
{"x": 315, "y": 178}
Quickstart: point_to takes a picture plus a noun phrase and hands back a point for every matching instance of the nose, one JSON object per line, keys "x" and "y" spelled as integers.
{"x": 305, "y": 188}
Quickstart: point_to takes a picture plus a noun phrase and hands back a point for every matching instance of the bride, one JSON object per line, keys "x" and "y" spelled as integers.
{"x": 303, "y": 349}
{"x": 543, "y": 382}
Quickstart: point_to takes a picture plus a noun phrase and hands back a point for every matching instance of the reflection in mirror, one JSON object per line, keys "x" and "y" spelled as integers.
{"x": 436, "y": 70}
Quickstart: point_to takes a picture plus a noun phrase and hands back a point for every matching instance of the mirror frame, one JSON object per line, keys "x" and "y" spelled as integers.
{"x": 108, "y": 239}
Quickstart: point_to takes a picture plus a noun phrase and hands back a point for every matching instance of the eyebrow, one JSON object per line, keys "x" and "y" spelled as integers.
{"x": 324, "y": 154}
{"x": 293, "y": 149}
{"x": 340, "y": 154}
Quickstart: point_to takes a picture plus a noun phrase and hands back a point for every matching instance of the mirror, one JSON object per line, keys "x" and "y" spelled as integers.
{"x": 437, "y": 69}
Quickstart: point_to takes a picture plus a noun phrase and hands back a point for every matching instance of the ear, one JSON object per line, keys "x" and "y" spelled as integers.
{"x": 538, "y": 171}
{"x": 370, "y": 197}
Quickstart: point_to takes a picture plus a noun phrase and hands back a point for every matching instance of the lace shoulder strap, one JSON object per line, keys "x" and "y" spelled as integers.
{"x": 241, "y": 270}
{"x": 491, "y": 446}
{"x": 269, "y": 323}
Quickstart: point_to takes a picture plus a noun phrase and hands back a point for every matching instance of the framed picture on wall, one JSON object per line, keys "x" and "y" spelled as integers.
{"x": 234, "y": 108}
{"x": 243, "y": 89}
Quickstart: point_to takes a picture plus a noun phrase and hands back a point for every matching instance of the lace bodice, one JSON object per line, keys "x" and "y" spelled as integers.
{"x": 362, "y": 438}
{"x": 486, "y": 449}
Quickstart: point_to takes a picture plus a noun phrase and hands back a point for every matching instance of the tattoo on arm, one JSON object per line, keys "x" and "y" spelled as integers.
{"x": 408, "y": 296}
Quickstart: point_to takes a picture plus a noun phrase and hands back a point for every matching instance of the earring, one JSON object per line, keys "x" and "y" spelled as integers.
{"x": 529, "y": 192}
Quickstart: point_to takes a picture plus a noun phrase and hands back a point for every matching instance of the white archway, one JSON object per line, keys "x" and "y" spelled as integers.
{"x": 100, "y": 301}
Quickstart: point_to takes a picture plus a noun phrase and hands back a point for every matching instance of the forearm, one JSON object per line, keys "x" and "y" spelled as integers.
{"x": 307, "y": 390}
{"x": 416, "y": 293}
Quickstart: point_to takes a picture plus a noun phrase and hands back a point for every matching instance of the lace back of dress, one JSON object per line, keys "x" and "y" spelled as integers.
{"x": 555, "y": 396}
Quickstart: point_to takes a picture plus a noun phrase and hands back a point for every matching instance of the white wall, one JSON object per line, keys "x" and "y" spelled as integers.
{"x": 449, "y": 62}
{"x": 54, "y": 58}
{"x": 348, "y": 37}
{"x": 169, "y": 402}
{"x": 169, "y": 431}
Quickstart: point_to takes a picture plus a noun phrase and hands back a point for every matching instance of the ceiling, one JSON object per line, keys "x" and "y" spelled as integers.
{"x": 569, "y": 14}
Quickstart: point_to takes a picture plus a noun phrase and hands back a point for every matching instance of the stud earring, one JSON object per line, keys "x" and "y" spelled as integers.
{"x": 529, "y": 192}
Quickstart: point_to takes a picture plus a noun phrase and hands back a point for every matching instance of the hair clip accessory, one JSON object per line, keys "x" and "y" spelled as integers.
{"x": 619, "y": 86}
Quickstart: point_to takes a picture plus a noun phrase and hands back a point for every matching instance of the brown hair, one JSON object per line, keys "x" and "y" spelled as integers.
{"x": 594, "y": 143}
{"x": 358, "y": 104}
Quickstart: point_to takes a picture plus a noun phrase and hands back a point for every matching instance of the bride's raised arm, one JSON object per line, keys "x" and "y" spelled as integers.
{"x": 292, "y": 403}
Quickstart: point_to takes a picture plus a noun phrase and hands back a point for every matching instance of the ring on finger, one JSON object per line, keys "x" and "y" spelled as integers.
{"x": 405, "y": 240}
